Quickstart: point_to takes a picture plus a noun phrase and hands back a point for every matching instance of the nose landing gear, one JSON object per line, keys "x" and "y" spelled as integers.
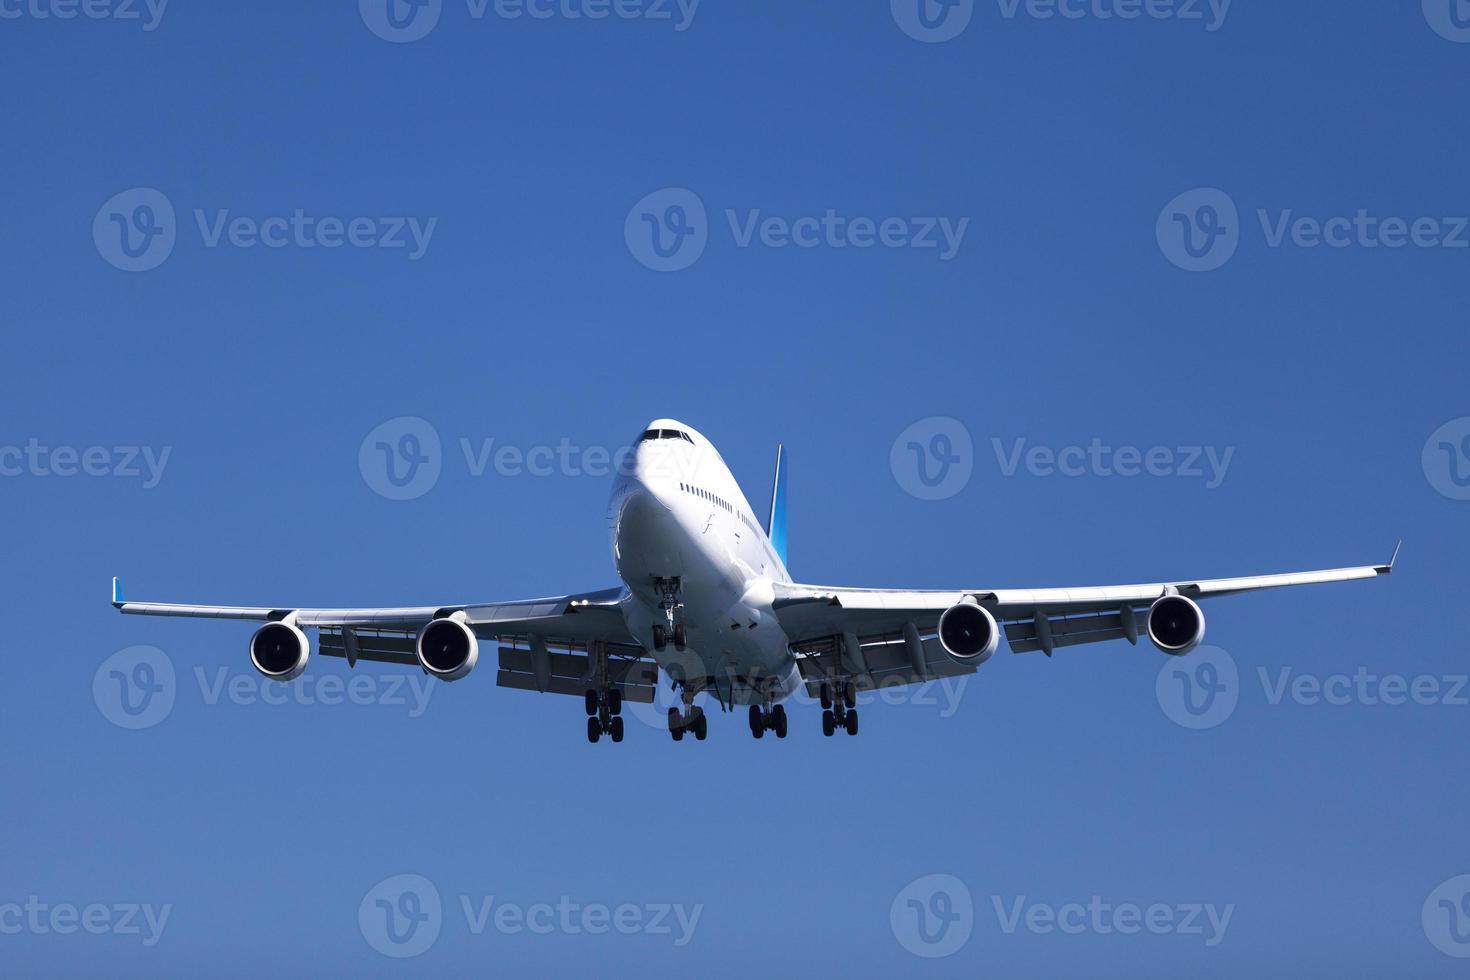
{"x": 668, "y": 590}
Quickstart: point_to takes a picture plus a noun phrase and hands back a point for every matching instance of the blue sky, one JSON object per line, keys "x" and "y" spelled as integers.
{"x": 976, "y": 229}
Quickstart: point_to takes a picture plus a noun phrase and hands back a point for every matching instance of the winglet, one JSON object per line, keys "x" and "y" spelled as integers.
{"x": 1385, "y": 569}
{"x": 117, "y": 599}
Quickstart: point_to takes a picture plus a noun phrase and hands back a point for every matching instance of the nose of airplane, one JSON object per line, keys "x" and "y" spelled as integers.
{"x": 641, "y": 509}
{"x": 645, "y": 535}
{"x": 651, "y": 483}
{"x": 659, "y": 457}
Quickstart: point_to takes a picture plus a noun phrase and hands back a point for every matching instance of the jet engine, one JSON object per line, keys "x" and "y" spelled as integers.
{"x": 968, "y": 633}
{"x": 1176, "y": 624}
{"x": 279, "y": 651}
{"x": 447, "y": 648}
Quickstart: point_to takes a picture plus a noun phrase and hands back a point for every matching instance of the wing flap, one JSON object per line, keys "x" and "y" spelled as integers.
{"x": 373, "y": 646}
{"x": 570, "y": 672}
{"x": 633, "y": 693}
{"x": 1066, "y": 631}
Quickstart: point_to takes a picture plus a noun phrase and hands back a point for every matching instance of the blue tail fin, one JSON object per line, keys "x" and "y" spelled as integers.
{"x": 776, "y": 526}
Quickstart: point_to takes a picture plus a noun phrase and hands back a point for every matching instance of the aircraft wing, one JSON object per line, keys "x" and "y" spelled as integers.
{"x": 823, "y": 621}
{"x": 580, "y": 616}
{"x": 553, "y": 644}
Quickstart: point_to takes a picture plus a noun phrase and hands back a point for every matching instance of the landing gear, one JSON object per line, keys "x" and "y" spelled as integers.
{"x": 661, "y": 637}
{"x": 840, "y": 716}
{"x": 773, "y": 720}
{"x": 668, "y": 601}
{"x": 849, "y": 695}
{"x": 604, "y": 714}
{"x": 692, "y": 720}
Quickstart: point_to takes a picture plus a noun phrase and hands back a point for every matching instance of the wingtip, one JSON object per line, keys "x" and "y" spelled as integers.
{"x": 1386, "y": 569}
{"x": 117, "y": 599}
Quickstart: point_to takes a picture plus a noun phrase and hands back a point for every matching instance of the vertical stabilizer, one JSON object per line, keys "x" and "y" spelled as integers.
{"x": 776, "y": 525}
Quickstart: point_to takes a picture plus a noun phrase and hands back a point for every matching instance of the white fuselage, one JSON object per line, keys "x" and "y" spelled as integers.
{"x": 679, "y": 514}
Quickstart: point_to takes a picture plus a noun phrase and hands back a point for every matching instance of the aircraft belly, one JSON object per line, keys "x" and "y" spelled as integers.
{"x": 732, "y": 636}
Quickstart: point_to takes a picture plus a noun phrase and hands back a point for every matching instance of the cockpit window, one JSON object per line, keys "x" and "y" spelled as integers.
{"x": 665, "y": 434}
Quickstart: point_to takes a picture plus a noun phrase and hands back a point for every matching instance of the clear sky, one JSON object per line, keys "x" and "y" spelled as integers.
{"x": 238, "y": 238}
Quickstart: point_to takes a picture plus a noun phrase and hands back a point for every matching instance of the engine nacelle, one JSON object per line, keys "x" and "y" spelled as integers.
{"x": 447, "y": 649}
{"x": 968, "y": 633}
{"x": 1176, "y": 624}
{"x": 279, "y": 651}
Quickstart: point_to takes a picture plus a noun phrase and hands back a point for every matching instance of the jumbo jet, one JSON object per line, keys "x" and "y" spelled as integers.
{"x": 706, "y": 598}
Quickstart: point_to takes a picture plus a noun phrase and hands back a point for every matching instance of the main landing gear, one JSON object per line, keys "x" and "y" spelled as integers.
{"x": 668, "y": 590}
{"x": 771, "y": 720}
{"x": 692, "y": 719}
{"x": 839, "y": 712}
{"x": 604, "y": 714}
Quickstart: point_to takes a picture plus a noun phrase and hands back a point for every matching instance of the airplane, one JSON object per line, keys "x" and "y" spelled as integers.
{"x": 707, "y": 600}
